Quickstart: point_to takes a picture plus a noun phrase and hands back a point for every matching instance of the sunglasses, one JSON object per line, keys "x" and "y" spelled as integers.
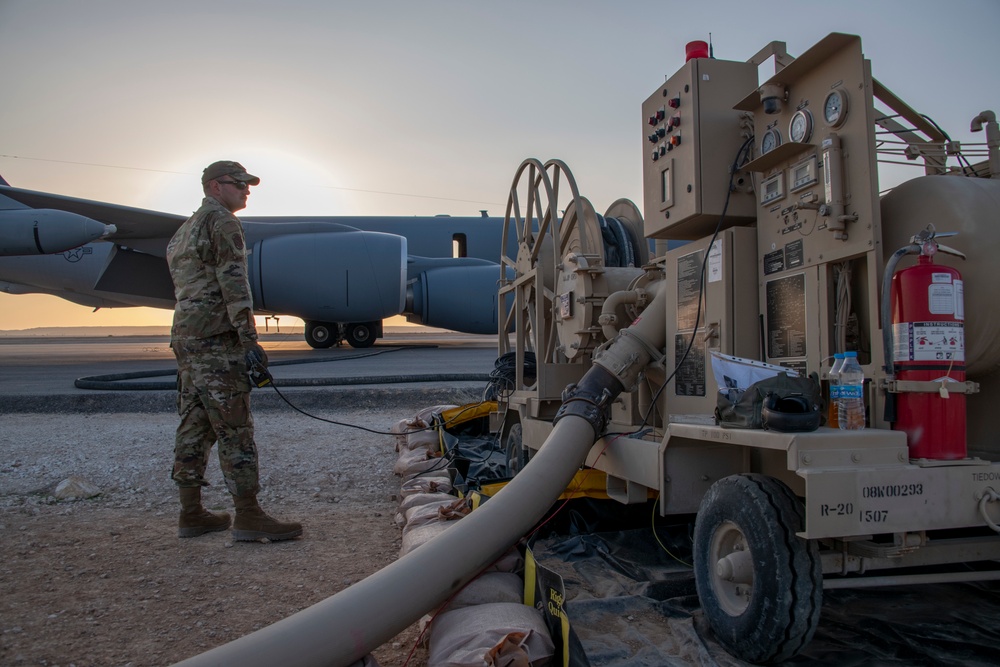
{"x": 240, "y": 185}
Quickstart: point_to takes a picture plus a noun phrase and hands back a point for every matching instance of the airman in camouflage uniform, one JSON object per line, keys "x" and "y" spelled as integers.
{"x": 212, "y": 333}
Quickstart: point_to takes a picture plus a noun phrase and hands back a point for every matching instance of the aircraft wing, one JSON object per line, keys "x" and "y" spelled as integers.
{"x": 340, "y": 270}
{"x": 131, "y": 223}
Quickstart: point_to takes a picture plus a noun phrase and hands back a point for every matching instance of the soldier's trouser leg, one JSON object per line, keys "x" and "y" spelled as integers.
{"x": 195, "y": 520}
{"x": 213, "y": 402}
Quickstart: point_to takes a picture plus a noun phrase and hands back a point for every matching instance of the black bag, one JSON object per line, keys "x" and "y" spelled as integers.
{"x": 746, "y": 409}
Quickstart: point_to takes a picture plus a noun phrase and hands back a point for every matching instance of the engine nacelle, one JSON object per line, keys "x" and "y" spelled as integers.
{"x": 459, "y": 298}
{"x": 330, "y": 276}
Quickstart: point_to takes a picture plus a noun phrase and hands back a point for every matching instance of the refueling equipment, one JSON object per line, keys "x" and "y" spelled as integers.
{"x": 773, "y": 245}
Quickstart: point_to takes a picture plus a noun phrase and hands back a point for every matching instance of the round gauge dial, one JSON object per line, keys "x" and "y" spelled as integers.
{"x": 835, "y": 108}
{"x": 770, "y": 141}
{"x": 801, "y": 126}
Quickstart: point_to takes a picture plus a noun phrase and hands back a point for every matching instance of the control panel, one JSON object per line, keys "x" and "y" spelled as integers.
{"x": 818, "y": 223}
{"x": 817, "y": 180}
{"x": 691, "y": 135}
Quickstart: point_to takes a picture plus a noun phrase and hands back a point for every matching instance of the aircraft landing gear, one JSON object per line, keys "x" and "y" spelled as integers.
{"x": 321, "y": 335}
{"x": 362, "y": 334}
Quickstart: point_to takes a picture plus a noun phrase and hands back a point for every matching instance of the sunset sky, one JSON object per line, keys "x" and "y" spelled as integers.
{"x": 399, "y": 107}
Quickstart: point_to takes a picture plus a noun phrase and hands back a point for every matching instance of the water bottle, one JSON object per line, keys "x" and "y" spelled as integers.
{"x": 834, "y": 383}
{"x": 851, "y": 386}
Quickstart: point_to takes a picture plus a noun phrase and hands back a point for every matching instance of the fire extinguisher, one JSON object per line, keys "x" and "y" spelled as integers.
{"x": 928, "y": 345}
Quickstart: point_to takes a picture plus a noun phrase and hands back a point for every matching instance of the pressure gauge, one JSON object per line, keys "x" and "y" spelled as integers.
{"x": 835, "y": 108}
{"x": 801, "y": 126}
{"x": 770, "y": 141}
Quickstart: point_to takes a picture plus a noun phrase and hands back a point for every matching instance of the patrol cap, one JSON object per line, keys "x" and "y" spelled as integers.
{"x": 227, "y": 168}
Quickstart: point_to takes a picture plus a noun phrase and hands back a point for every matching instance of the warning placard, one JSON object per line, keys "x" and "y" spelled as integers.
{"x": 928, "y": 341}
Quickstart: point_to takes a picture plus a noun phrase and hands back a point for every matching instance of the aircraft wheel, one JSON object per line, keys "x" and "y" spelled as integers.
{"x": 760, "y": 586}
{"x": 360, "y": 335}
{"x": 321, "y": 335}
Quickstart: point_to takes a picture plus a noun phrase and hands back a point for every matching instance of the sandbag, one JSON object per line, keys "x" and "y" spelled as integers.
{"x": 414, "y": 538}
{"x": 417, "y": 500}
{"x": 429, "y": 440}
{"x": 436, "y": 481}
{"x": 488, "y": 588}
{"x": 502, "y": 634}
{"x": 449, "y": 510}
{"x": 409, "y": 464}
{"x": 426, "y": 415}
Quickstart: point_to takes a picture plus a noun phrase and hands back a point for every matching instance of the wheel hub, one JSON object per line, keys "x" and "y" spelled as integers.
{"x": 733, "y": 579}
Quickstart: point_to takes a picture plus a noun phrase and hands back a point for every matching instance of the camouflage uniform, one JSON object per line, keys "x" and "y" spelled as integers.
{"x": 213, "y": 322}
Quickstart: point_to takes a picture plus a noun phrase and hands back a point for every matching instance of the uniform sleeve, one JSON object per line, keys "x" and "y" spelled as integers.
{"x": 229, "y": 247}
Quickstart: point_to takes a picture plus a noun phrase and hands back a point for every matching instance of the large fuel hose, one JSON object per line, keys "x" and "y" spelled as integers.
{"x": 347, "y": 626}
{"x": 342, "y": 629}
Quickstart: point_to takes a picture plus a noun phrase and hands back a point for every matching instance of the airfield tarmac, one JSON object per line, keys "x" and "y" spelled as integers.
{"x": 105, "y": 581}
{"x": 40, "y": 372}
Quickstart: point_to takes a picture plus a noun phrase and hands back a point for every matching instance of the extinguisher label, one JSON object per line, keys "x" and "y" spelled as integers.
{"x": 941, "y": 298}
{"x": 929, "y": 341}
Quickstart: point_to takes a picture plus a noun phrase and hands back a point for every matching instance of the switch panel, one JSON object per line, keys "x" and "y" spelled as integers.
{"x": 700, "y": 98}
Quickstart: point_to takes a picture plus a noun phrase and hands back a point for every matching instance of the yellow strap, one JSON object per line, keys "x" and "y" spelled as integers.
{"x": 529, "y": 578}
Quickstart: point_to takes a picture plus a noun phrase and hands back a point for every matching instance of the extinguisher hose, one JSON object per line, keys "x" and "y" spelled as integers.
{"x": 886, "y": 314}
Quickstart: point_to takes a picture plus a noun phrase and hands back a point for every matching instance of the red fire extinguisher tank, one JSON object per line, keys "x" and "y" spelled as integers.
{"x": 929, "y": 346}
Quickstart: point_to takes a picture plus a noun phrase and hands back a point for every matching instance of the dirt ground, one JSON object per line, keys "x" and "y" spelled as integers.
{"x": 106, "y": 581}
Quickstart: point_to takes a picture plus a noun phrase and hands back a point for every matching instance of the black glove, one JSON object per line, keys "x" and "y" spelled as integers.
{"x": 256, "y": 356}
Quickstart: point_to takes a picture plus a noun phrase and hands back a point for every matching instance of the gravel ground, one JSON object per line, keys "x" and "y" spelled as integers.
{"x": 106, "y": 581}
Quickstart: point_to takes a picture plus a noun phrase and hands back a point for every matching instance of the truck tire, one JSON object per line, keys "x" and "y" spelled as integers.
{"x": 760, "y": 586}
{"x": 517, "y": 455}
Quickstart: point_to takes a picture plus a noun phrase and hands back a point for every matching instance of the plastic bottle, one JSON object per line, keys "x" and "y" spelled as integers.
{"x": 834, "y": 382}
{"x": 851, "y": 385}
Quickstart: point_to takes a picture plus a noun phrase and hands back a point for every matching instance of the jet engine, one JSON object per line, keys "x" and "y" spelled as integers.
{"x": 345, "y": 276}
{"x": 454, "y": 296}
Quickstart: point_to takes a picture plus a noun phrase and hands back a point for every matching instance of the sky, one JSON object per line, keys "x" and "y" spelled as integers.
{"x": 402, "y": 107}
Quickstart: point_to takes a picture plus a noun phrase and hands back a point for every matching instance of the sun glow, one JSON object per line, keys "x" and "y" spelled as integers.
{"x": 290, "y": 183}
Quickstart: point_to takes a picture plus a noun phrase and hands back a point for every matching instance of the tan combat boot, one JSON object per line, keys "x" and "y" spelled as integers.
{"x": 252, "y": 523}
{"x": 196, "y": 520}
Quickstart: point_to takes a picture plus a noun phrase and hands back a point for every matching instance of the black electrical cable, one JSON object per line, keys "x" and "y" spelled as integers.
{"x": 503, "y": 377}
{"x": 701, "y": 289}
{"x": 112, "y": 381}
{"x": 432, "y": 427}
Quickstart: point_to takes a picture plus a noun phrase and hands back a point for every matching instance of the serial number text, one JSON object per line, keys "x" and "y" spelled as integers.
{"x": 892, "y": 491}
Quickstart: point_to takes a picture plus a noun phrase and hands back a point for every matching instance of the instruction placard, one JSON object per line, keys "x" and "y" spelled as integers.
{"x": 928, "y": 341}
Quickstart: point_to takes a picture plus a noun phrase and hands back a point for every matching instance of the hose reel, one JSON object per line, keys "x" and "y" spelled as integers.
{"x": 566, "y": 265}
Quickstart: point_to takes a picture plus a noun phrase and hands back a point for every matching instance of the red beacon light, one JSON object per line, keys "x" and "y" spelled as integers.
{"x": 696, "y": 49}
